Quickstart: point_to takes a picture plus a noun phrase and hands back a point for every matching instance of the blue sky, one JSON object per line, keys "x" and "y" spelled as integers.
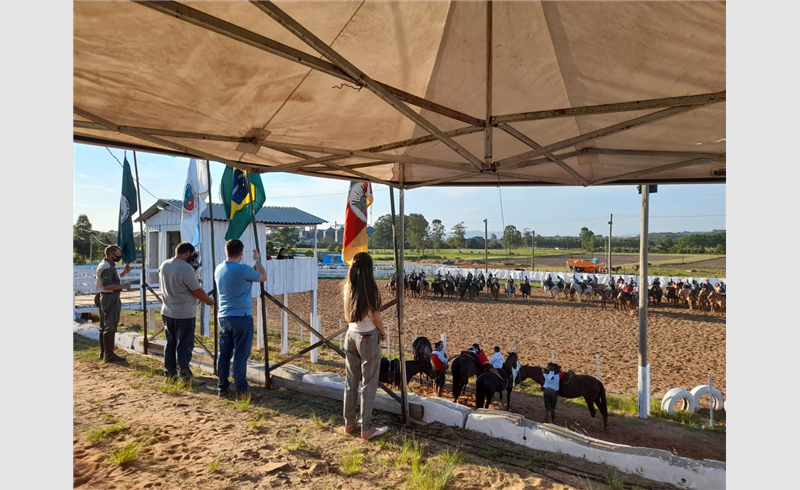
{"x": 547, "y": 210}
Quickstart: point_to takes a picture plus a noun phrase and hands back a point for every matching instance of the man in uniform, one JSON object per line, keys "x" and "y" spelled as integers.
{"x": 108, "y": 286}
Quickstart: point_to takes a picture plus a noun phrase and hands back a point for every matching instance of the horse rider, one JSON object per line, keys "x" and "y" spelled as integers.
{"x": 575, "y": 279}
{"x": 497, "y": 359}
{"x": 552, "y": 376}
{"x": 560, "y": 283}
{"x": 657, "y": 283}
{"x": 610, "y": 284}
{"x": 440, "y": 364}
{"x": 594, "y": 279}
{"x": 480, "y": 277}
{"x": 469, "y": 277}
{"x": 480, "y": 354}
{"x": 695, "y": 286}
{"x": 620, "y": 283}
{"x": 670, "y": 283}
{"x": 708, "y": 287}
{"x": 527, "y": 280}
{"x": 393, "y": 279}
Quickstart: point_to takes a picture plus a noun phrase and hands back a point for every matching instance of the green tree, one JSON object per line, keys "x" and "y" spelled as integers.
{"x": 436, "y": 233}
{"x": 459, "y": 232}
{"x": 417, "y": 231}
{"x": 382, "y": 236}
{"x": 83, "y": 237}
{"x": 285, "y": 235}
{"x": 587, "y": 239}
{"x": 512, "y": 238}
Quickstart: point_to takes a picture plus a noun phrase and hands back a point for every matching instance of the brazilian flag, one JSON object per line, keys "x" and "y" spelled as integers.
{"x": 127, "y": 206}
{"x": 237, "y": 199}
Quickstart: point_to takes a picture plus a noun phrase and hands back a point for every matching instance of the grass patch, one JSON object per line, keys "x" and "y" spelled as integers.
{"x": 319, "y": 422}
{"x": 214, "y": 466}
{"x": 435, "y": 474}
{"x": 242, "y": 403}
{"x": 409, "y": 452}
{"x": 127, "y": 453}
{"x": 176, "y": 386}
{"x": 258, "y": 420}
{"x": 352, "y": 459}
{"x": 616, "y": 480}
{"x": 95, "y": 436}
{"x": 298, "y": 442}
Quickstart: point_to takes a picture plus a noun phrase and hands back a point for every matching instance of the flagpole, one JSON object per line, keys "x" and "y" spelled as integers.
{"x": 143, "y": 281}
{"x": 213, "y": 266}
{"x": 263, "y": 291}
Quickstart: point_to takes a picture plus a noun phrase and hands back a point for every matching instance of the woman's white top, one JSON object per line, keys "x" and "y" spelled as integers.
{"x": 365, "y": 325}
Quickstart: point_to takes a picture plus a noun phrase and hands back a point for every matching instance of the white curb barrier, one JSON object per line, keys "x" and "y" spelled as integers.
{"x": 672, "y": 397}
{"x": 440, "y": 410}
{"x": 654, "y": 464}
{"x": 702, "y": 390}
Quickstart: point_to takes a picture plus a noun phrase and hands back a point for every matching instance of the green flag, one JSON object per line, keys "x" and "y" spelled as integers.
{"x": 127, "y": 206}
{"x": 237, "y": 199}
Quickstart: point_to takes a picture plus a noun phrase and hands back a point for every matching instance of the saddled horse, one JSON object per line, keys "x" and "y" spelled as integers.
{"x": 464, "y": 367}
{"x": 671, "y": 294}
{"x": 574, "y": 386}
{"x": 423, "y": 285}
{"x": 496, "y": 381}
{"x": 450, "y": 288}
{"x": 422, "y": 350}
{"x": 438, "y": 289}
{"x": 688, "y": 296}
{"x": 605, "y": 296}
{"x": 581, "y": 290}
{"x": 413, "y": 286}
{"x": 494, "y": 287}
{"x": 463, "y": 287}
{"x": 474, "y": 290}
{"x": 717, "y": 302}
{"x": 390, "y": 370}
{"x": 525, "y": 289}
{"x": 655, "y": 294}
{"x": 550, "y": 289}
{"x": 625, "y": 301}
{"x": 510, "y": 290}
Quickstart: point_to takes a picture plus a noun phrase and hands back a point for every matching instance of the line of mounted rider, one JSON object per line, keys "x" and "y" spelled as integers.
{"x": 469, "y": 285}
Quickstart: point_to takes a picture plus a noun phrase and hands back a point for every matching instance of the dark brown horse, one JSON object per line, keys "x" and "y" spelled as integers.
{"x": 496, "y": 381}
{"x": 464, "y": 367}
{"x": 390, "y": 370}
{"x": 579, "y": 385}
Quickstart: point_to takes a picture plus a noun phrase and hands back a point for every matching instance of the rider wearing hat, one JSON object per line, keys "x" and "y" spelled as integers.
{"x": 440, "y": 362}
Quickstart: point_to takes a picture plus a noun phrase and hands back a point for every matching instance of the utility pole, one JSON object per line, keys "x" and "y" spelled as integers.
{"x": 486, "y": 244}
{"x": 610, "y": 221}
{"x": 91, "y": 245}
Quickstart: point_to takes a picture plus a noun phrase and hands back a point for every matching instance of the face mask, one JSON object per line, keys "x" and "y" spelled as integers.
{"x": 118, "y": 258}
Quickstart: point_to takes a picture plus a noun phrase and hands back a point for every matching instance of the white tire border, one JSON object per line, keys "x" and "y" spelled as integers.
{"x": 702, "y": 390}
{"x": 672, "y": 397}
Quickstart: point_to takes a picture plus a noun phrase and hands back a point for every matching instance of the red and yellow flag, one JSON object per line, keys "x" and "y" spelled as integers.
{"x": 359, "y": 198}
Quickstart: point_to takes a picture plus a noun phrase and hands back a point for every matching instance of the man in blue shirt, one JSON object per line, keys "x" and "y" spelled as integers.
{"x": 235, "y": 285}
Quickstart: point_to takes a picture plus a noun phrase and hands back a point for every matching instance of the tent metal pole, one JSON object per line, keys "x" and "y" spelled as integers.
{"x": 639, "y": 105}
{"x": 263, "y": 294}
{"x": 528, "y": 141}
{"x": 644, "y": 392}
{"x": 213, "y": 268}
{"x": 401, "y": 301}
{"x": 487, "y": 130}
{"x": 655, "y": 170}
{"x": 520, "y": 160}
{"x": 362, "y": 79}
{"x": 143, "y": 280}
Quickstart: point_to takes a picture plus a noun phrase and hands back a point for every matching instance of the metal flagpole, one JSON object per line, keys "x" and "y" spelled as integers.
{"x": 401, "y": 302}
{"x": 263, "y": 296}
{"x": 143, "y": 280}
{"x": 213, "y": 267}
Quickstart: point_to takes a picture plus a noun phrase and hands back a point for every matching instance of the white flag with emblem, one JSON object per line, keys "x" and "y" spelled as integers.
{"x": 195, "y": 193}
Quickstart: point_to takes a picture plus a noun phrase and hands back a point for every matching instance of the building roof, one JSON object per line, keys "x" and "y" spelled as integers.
{"x": 271, "y": 215}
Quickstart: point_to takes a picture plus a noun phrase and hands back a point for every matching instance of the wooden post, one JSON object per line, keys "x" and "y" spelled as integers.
{"x": 597, "y": 358}
{"x": 285, "y": 327}
{"x": 710, "y": 401}
{"x": 318, "y": 326}
{"x": 552, "y": 355}
{"x": 644, "y": 394}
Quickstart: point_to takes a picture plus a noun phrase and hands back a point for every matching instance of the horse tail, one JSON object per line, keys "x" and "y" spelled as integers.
{"x": 479, "y": 398}
{"x": 602, "y": 405}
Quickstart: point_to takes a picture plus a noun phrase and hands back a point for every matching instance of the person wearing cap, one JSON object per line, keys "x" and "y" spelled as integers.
{"x": 552, "y": 377}
{"x": 440, "y": 365}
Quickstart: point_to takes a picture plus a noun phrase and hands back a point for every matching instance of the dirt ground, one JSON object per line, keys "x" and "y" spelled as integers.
{"x": 190, "y": 439}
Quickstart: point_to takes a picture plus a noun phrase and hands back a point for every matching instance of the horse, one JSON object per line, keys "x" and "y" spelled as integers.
{"x": 474, "y": 290}
{"x": 672, "y": 295}
{"x": 550, "y": 291}
{"x": 438, "y": 289}
{"x": 413, "y": 286}
{"x": 702, "y": 299}
{"x": 654, "y": 293}
{"x": 717, "y": 300}
{"x": 450, "y": 288}
{"x": 464, "y": 367}
{"x": 390, "y": 370}
{"x": 688, "y": 296}
{"x": 581, "y": 290}
{"x": 423, "y": 285}
{"x": 462, "y": 289}
{"x": 625, "y": 301}
{"x": 574, "y": 386}
{"x": 494, "y": 287}
{"x": 525, "y": 289}
{"x": 616, "y": 269}
{"x": 496, "y": 381}
{"x": 422, "y": 350}
{"x": 510, "y": 290}
{"x": 605, "y": 295}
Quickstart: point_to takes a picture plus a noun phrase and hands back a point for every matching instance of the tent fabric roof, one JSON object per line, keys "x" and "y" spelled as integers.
{"x": 582, "y": 93}
{"x": 271, "y": 215}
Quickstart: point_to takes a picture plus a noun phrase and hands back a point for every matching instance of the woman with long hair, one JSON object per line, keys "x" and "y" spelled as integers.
{"x": 362, "y": 311}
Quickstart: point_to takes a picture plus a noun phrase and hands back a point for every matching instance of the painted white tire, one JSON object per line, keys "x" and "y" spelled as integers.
{"x": 725, "y": 404}
{"x": 673, "y": 396}
{"x": 702, "y": 390}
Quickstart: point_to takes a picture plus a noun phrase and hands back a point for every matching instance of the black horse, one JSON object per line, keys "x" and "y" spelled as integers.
{"x": 496, "y": 381}
{"x": 422, "y": 350}
{"x": 390, "y": 370}
{"x": 525, "y": 289}
{"x": 474, "y": 290}
{"x": 464, "y": 367}
{"x": 450, "y": 288}
{"x": 574, "y": 386}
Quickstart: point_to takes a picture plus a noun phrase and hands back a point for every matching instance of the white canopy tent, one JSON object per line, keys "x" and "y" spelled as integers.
{"x": 413, "y": 94}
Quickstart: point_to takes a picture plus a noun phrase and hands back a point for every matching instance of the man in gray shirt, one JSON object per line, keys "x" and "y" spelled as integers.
{"x": 180, "y": 291}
